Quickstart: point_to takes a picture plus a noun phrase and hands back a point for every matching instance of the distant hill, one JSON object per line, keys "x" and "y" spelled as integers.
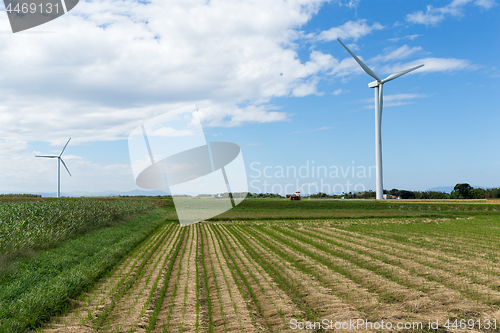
{"x": 448, "y": 189}
{"x": 445, "y": 189}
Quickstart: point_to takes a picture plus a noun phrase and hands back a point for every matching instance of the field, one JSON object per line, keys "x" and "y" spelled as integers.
{"x": 277, "y": 266}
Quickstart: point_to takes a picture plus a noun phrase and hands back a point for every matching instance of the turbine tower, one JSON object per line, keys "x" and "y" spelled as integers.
{"x": 59, "y": 160}
{"x": 378, "y": 85}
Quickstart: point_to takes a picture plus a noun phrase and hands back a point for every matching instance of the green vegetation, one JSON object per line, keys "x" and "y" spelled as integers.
{"x": 34, "y": 225}
{"x": 279, "y": 209}
{"x": 32, "y": 289}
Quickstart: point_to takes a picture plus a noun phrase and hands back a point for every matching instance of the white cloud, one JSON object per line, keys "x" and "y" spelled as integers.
{"x": 351, "y": 3}
{"x": 486, "y": 4}
{"x": 432, "y": 65}
{"x": 324, "y": 128}
{"x": 394, "y": 100}
{"x": 228, "y": 115}
{"x": 433, "y": 16}
{"x": 410, "y": 37}
{"x": 400, "y": 53}
{"x": 349, "y": 30}
{"x": 113, "y": 64}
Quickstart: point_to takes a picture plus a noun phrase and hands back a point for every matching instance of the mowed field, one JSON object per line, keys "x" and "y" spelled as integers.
{"x": 279, "y": 266}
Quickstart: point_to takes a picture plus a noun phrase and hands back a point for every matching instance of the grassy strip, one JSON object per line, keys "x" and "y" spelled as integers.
{"x": 465, "y": 238}
{"x": 176, "y": 285}
{"x": 382, "y": 266}
{"x": 217, "y": 287}
{"x": 126, "y": 283}
{"x": 236, "y": 281}
{"x": 159, "y": 301}
{"x": 296, "y": 242}
{"x": 293, "y": 288}
{"x": 463, "y": 268}
{"x": 186, "y": 287}
{"x": 197, "y": 323}
{"x": 269, "y": 209}
{"x": 157, "y": 280}
{"x": 237, "y": 248}
{"x": 205, "y": 280}
{"x": 243, "y": 277}
{"x": 129, "y": 282}
{"x": 36, "y": 288}
{"x": 438, "y": 274}
{"x": 115, "y": 277}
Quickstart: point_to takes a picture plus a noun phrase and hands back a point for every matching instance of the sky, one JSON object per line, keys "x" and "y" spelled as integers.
{"x": 267, "y": 75}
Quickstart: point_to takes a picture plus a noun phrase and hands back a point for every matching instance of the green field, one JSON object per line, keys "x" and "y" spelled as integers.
{"x": 266, "y": 265}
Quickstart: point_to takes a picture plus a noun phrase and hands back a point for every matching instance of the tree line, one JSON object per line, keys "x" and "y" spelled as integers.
{"x": 460, "y": 191}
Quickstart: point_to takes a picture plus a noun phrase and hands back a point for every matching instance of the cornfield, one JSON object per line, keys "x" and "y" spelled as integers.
{"x": 25, "y": 225}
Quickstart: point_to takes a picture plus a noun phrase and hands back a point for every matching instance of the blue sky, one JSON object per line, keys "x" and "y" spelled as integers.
{"x": 267, "y": 75}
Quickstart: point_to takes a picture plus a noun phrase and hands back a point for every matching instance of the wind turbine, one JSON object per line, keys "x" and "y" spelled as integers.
{"x": 378, "y": 85}
{"x": 59, "y": 160}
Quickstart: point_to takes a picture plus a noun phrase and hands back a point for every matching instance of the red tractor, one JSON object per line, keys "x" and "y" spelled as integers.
{"x": 296, "y": 196}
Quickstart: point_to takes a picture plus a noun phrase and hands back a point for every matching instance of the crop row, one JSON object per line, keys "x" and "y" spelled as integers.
{"x": 214, "y": 277}
{"x": 379, "y": 278}
{"x": 34, "y": 224}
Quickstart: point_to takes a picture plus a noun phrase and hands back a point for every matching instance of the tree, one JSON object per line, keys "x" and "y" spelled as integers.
{"x": 463, "y": 191}
{"x": 407, "y": 194}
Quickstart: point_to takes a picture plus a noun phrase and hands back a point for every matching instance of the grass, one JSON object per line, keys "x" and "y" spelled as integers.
{"x": 280, "y": 209}
{"x": 159, "y": 300}
{"x": 32, "y": 289}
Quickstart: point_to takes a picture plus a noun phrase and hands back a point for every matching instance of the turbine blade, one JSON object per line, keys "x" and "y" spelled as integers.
{"x": 398, "y": 74}
{"x": 62, "y": 151}
{"x": 365, "y": 68}
{"x": 47, "y": 156}
{"x": 65, "y": 166}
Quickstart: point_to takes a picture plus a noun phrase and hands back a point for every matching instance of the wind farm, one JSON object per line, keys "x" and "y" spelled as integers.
{"x": 196, "y": 125}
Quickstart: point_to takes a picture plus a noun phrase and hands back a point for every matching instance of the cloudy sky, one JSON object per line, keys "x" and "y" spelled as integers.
{"x": 268, "y": 75}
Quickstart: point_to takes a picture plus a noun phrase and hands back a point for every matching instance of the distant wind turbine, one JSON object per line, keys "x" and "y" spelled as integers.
{"x": 378, "y": 85}
{"x": 59, "y": 160}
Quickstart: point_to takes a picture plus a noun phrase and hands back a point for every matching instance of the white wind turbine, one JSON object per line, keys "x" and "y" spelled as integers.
{"x": 378, "y": 85}
{"x": 59, "y": 160}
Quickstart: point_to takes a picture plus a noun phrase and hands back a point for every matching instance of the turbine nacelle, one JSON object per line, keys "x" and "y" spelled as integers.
{"x": 374, "y": 84}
